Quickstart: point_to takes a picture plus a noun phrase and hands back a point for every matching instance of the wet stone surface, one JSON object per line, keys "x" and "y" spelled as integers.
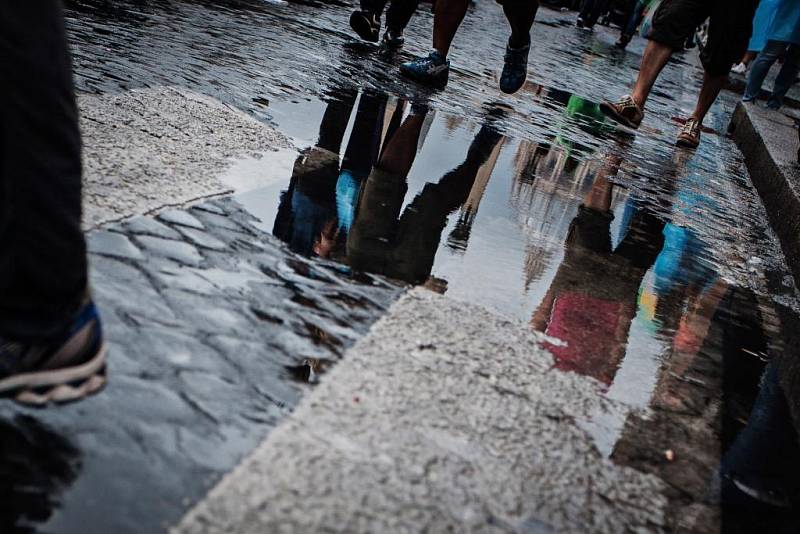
{"x": 205, "y": 336}
{"x": 654, "y": 265}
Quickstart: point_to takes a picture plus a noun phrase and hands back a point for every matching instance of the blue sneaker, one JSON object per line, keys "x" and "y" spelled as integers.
{"x": 515, "y": 69}
{"x": 432, "y": 70}
{"x": 66, "y": 368}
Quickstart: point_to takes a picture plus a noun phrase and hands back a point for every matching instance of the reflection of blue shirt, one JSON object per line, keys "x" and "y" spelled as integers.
{"x": 786, "y": 23}
{"x": 347, "y": 188}
{"x": 308, "y": 218}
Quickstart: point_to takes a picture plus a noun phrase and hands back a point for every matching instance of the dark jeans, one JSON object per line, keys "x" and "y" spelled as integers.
{"x": 398, "y": 15}
{"x": 786, "y": 77}
{"x": 42, "y": 250}
{"x": 592, "y": 10}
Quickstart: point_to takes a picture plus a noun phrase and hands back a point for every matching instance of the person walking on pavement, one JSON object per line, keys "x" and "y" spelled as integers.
{"x": 761, "y": 24}
{"x": 729, "y": 31}
{"x": 434, "y": 69}
{"x": 51, "y": 345}
{"x": 591, "y": 11}
{"x": 783, "y": 39}
{"x": 366, "y": 22}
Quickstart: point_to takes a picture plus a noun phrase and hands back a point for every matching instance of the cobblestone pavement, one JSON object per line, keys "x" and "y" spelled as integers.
{"x": 210, "y": 322}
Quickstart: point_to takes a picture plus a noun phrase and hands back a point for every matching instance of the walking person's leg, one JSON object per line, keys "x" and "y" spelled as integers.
{"x": 366, "y": 22}
{"x": 672, "y": 22}
{"x": 397, "y": 18}
{"x": 434, "y": 69}
{"x": 786, "y": 76}
{"x": 729, "y": 30}
{"x": 520, "y": 15}
{"x": 50, "y": 340}
{"x": 758, "y": 72}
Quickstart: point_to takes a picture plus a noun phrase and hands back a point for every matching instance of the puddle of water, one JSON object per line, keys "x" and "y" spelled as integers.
{"x": 629, "y": 257}
{"x": 649, "y": 264}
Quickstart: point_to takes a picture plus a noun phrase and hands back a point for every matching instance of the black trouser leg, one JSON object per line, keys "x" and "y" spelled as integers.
{"x": 374, "y": 6}
{"x": 400, "y": 13}
{"x": 42, "y": 250}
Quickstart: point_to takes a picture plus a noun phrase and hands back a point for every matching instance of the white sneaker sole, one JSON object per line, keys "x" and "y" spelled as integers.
{"x": 67, "y": 384}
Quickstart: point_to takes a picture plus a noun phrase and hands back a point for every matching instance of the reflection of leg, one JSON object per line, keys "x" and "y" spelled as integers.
{"x": 334, "y": 122}
{"x": 448, "y": 15}
{"x": 362, "y": 148}
{"x": 398, "y": 154}
{"x": 786, "y": 77}
{"x": 370, "y": 239}
{"x": 43, "y": 259}
{"x": 599, "y": 197}
{"x": 758, "y": 72}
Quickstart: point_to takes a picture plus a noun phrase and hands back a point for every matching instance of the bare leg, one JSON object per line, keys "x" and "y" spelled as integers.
{"x": 655, "y": 57}
{"x": 398, "y": 154}
{"x": 520, "y": 17}
{"x": 712, "y": 85}
{"x": 448, "y": 15}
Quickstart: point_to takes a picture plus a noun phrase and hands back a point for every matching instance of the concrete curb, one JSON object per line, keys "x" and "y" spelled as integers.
{"x": 768, "y": 141}
{"x": 444, "y": 418}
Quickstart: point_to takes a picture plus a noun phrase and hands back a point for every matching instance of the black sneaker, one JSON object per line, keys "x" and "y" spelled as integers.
{"x": 515, "y": 69}
{"x": 367, "y": 25}
{"x": 63, "y": 369}
{"x": 393, "y": 39}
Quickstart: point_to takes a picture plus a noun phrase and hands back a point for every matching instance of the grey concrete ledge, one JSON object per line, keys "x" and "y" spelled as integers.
{"x": 149, "y": 148}
{"x": 444, "y": 418}
{"x": 769, "y": 143}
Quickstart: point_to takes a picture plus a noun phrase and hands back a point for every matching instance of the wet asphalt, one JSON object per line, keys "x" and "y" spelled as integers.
{"x": 639, "y": 255}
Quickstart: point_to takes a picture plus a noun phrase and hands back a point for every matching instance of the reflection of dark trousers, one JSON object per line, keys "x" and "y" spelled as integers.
{"x": 42, "y": 251}
{"x": 398, "y": 15}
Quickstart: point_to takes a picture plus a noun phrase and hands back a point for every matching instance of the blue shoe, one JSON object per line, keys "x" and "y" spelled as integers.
{"x": 432, "y": 70}
{"x": 65, "y": 368}
{"x": 515, "y": 69}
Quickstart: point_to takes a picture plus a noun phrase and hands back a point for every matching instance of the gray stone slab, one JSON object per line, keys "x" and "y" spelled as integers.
{"x": 203, "y": 239}
{"x": 179, "y": 251}
{"x": 484, "y": 437}
{"x": 150, "y": 226}
{"x": 181, "y": 218}
{"x": 112, "y": 244}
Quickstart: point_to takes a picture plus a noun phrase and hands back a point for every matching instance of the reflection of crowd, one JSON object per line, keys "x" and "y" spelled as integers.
{"x": 354, "y": 212}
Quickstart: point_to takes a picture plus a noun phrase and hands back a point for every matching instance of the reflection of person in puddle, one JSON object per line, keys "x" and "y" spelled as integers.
{"x": 405, "y": 247}
{"x": 316, "y": 211}
{"x": 592, "y": 300}
{"x": 37, "y": 466}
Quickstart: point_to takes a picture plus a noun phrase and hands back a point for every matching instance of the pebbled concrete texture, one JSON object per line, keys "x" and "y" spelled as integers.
{"x": 445, "y": 417}
{"x": 149, "y": 148}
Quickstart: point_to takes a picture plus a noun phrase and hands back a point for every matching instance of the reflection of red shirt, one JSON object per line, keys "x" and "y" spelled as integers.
{"x": 589, "y": 326}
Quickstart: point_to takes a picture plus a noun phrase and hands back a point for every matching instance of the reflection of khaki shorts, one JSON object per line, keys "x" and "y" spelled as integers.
{"x": 729, "y": 29}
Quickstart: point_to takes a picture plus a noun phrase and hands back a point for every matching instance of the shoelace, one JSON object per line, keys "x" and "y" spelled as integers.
{"x": 690, "y": 127}
{"x": 628, "y": 102}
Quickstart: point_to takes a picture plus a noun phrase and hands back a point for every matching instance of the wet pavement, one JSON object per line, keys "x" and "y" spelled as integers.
{"x": 652, "y": 266}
